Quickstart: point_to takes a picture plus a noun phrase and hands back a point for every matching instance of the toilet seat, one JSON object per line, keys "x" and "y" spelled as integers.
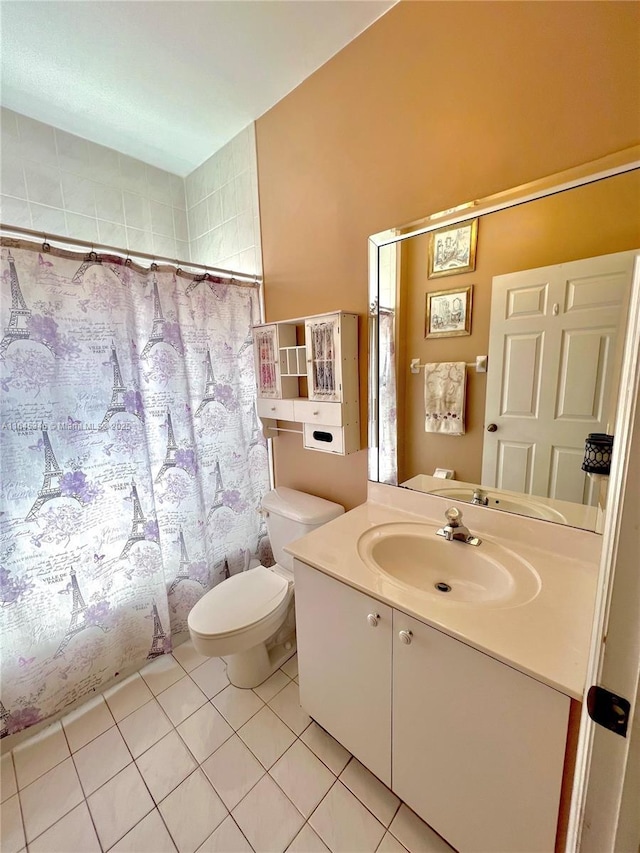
{"x": 241, "y": 602}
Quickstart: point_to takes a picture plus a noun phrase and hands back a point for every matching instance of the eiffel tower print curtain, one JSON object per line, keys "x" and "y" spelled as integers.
{"x": 132, "y": 465}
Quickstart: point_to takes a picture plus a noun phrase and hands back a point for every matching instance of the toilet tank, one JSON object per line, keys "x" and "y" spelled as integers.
{"x": 292, "y": 514}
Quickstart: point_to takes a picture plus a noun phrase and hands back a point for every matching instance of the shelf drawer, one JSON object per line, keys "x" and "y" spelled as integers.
{"x": 311, "y": 412}
{"x": 277, "y": 409}
{"x": 330, "y": 439}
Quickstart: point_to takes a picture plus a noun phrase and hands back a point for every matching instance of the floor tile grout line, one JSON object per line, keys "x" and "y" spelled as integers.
{"x": 397, "y": 808}
{"x": 268, "y": 773}
{"x": 229, "y": 721}
{"x": 135, "y": 709}
{"x": 187, "y": 675}
{"x": 146, "y": 814}
{"x": 339, "y": 779}
{"x": 17, "y": 794}
{"x": 195, "y": 758}
{"x": 230, "y": 810}
{"x": 95, "y": 829}
{"x": 174, "y": 727}
{"x": 86, "y": 796}
{"x": 191, "y": 755}
{"x": 239, "y": 830}
{"x": 306, "y": 817}
{"x": 85, "y": 800}
{"x": 71, "y": 751}
{"x": 62, "y": 816}
{"x": 316, "y": 754}
{"x": 331, "y": 787}
{"x": 157, "y": 806}
{"x": 133, "y": 712}
{"x": 154, "y": 696}
{"x": 53, "y": 766}
{"x": 171, "y": 685}
{"x": 385, "y": 828}
{"x": 151, "y": 797}
{"x": 137, "y": 823}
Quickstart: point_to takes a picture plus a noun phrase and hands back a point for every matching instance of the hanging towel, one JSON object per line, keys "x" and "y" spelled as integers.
{"x": 444, "y": 395}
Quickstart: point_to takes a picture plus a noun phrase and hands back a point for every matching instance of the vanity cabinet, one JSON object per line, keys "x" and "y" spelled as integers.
{"x": 478, "y": 747}
{"x": 344, "y": 641}
{"x": 473, "y": 746}
{"x": 314, "y": 383}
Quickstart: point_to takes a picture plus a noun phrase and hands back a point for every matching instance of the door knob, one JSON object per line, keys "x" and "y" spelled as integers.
{"x": 492, "y": 428}
{"x": 372, "y": 619}
{"x": 405, "y": 637}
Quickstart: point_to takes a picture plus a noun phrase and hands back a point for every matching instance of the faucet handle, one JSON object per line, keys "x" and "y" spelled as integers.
{"x": 453, "y": 516}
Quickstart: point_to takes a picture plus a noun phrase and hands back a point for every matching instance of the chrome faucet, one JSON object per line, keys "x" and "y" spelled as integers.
{"x": 454, "y": 529}
{"x": 479, "y": 498}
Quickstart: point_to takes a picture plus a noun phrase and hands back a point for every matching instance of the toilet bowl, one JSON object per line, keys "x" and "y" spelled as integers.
{"x": 249, "y": 619}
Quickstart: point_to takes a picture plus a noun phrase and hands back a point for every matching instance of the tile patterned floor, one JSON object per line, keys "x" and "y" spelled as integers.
{"x": 177, "y": 759}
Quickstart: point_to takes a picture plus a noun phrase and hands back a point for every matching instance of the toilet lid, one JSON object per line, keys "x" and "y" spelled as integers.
{"x": 238, "y": 602}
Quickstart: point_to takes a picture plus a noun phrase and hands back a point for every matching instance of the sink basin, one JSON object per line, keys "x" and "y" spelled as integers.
{"x": 413, "y": 555}
{"x": 497, "y": 501}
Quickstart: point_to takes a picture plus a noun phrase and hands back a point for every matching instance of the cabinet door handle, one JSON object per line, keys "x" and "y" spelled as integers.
{"x": 315, "y": 414}
{"x": 273, "y": 408}
{"x": 372, "y": 619}
{"x": 405, "y": 637}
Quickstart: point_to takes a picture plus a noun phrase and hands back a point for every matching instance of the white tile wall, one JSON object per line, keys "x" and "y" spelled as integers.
{"x": 55, "y": 182}
{"x": 58, "y": 183}
{"x": 222, "y": 207}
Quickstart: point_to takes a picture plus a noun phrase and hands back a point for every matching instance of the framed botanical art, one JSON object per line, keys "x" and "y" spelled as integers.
{"x": 452, "y": 250}
{"x": 449, "y": 313}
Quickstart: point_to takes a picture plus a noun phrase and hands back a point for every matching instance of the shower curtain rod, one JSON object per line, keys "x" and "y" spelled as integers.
{"x": 185, "y": 266}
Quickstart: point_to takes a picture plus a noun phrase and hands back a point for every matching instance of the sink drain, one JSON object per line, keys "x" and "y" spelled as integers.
{"x": 442, "y": 587}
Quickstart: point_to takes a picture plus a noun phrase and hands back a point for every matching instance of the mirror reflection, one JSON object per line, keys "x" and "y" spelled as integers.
{"x": 547, "y": 306}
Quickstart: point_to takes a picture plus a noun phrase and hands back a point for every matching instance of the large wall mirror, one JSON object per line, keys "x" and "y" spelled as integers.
{"x": 547, "y": 302}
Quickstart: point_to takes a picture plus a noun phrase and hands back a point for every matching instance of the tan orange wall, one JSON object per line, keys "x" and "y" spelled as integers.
{"x": 594, "y": 220}
{"x": 436, "y": 103}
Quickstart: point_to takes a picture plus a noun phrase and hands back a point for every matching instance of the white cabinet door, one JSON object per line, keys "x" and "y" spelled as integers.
{"x": 267, "y": 361}
{"x": 322, "y": 337}
{"x": 345, "y": 665}
{"x": 478, "y": 748}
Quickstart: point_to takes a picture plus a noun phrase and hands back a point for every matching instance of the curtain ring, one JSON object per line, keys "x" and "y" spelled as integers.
{"x": 128, "y": 262}
{"x": 45, "y": 245}
{"x": 153, "y": 267}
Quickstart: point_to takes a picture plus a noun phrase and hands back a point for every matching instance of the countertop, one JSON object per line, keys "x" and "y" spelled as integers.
{"x": 547, "y": 638}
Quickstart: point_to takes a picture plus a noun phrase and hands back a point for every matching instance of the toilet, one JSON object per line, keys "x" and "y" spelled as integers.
{"x": 249, "y": 619}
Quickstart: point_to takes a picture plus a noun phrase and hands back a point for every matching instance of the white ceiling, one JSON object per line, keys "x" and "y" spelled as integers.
{"x": 166, "y": 81}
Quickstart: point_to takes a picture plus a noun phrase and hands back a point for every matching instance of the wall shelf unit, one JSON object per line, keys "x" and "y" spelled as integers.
{"x": 307, "y": 372}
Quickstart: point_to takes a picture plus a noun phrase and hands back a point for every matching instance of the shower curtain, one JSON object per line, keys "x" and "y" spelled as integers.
{"x": 387, "y": 413}
{"x": 131, "y": 466}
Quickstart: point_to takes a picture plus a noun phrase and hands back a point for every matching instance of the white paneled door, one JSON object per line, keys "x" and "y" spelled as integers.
{"x": 605, "y": 813}
{"x": 554, "y": 359}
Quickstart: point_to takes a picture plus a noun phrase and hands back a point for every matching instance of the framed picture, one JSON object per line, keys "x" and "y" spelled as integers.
{"x": 452, "y": 250}
{"x": 449, "y": 313}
